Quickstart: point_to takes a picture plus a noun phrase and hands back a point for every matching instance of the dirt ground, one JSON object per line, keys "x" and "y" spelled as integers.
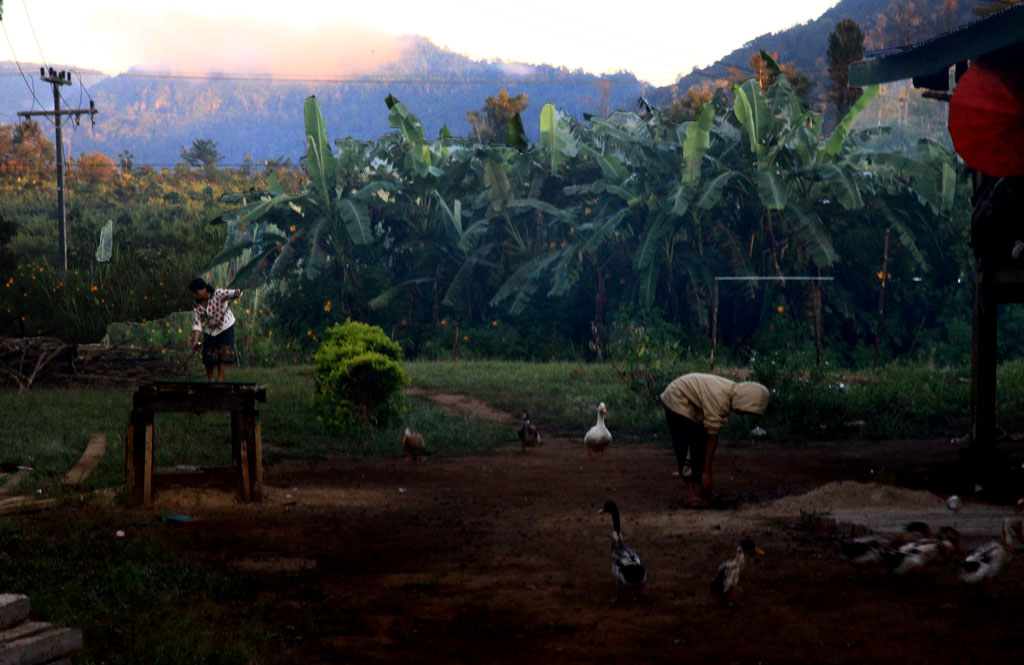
{"x": 504, "y": 558}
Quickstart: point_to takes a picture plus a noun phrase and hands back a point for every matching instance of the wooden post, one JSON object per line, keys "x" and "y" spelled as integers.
{"x": 714, "y": 325}
{"x": 881, "y": 296}
{"x": 983, "y": 365}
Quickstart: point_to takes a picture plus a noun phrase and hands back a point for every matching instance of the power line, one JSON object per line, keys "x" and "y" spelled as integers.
{"x": 33, "y": 30}
{"x": 30, "y": 86}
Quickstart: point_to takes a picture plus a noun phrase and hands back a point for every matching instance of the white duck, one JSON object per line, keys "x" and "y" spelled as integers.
{"x": 987, "y": 561}
{"x": 727, "y": 579}
{"x": 598, "y": 437}
{"x": 627, "y": 569}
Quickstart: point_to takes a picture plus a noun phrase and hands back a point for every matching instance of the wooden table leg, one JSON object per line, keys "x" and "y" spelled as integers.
{"x": 236, "y": 436}
{"x": 147, "y": 482}
{"x": 129, "y": 463}
{"x": 242, "y": 442}
{"x": 139, "y": 458}
{"x": 256, "y": 460}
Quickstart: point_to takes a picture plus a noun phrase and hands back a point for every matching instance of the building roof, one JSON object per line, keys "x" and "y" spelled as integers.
{"x": 932, "y": 58}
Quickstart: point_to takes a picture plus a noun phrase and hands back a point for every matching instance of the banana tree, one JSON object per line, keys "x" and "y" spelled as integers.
{"x": 285, "y": 236}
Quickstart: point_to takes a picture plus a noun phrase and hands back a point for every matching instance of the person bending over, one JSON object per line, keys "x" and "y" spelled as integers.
{"x": 212, "y": 311}
{"x": 696, "y": 408}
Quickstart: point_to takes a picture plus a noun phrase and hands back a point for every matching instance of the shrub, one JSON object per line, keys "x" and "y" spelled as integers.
{"x": 359, "y": 376}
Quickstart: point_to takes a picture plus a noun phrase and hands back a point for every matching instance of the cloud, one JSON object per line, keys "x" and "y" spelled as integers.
{"x": 185, "y": 45}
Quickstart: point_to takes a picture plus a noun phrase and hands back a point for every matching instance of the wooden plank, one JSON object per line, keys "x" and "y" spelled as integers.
{"x": 14, "y": 481}
{"x": 23, "y": 630}
{"x": 24, "y": 504}
{"x": 89, "y": 460}
{"x": 14, "y": 608}
{"x": 39, "y": 646}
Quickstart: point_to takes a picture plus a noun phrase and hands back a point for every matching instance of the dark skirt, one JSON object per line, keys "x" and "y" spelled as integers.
{"x": 220, "y": 348}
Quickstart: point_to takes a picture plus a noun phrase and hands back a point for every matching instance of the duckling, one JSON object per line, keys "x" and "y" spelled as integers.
{"x": 985, "y": 562}
{"x": 728, "y": 578}
{"x": 529, "y": 437}
{"x": 866, "y": 551}
{"x": 627, "y": 569}
{"x": 598, "y": 437}
{"x": 919, "y": 554}
{"x": 413, "y": 443}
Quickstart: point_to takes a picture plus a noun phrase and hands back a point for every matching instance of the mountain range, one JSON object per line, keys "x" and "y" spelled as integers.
{"x": 154, "y": 116}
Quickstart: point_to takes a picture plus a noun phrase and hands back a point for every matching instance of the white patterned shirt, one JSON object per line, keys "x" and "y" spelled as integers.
{"x": 215, "y": 314}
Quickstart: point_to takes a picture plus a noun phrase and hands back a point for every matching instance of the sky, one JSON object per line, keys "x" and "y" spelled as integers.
{"x": 656, "y": 41}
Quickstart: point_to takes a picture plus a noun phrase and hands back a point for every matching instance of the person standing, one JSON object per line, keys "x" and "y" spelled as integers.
{"x": 696, "y": 408}
{"x": 212, "y": 311}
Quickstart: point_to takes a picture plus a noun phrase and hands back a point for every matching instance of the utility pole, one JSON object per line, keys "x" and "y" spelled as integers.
{"x": 57, "y": 79}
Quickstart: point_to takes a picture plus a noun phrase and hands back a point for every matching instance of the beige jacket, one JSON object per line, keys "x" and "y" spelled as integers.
{"x": 708, "y": 399}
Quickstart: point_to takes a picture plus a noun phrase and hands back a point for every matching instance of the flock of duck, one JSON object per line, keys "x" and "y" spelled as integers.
{"x": 911, "y": 550}
{"x": 917, "y": 548}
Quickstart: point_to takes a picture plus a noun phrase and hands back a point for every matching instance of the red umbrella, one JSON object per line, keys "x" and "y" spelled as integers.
{"x": 986, "y": 118}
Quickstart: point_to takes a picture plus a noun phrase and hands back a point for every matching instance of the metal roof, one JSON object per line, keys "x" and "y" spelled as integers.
{"x": 935, "y": 55}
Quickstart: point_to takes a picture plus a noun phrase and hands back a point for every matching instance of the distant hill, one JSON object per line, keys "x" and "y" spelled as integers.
{"x": 806, "y": 44}
{"x": 153, "y": 118}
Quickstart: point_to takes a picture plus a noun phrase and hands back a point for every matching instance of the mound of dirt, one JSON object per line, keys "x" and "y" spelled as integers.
{"x": 849, "y": 494}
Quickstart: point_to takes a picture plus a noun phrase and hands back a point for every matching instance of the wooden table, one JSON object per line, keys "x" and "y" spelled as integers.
{"x": 195, "y": 397}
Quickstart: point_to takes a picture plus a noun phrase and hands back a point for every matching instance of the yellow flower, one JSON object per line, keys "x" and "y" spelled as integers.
{"x": 465, "y": 338}
{"x": 780, "y": 309}
{"x": 327, "y": 307}
{"x": 292, "y": 228}
{"x": 494, "y": 323}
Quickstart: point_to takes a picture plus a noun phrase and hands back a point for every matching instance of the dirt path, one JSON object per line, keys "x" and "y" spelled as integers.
{"x": 464, "y": 404}
{"x": 504, "y": 559}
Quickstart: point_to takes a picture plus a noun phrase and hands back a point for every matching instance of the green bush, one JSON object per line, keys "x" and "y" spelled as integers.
{"x": 359, "y": 376}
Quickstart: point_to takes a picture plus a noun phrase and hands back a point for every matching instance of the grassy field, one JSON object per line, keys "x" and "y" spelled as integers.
{"x": 48, "y": 428}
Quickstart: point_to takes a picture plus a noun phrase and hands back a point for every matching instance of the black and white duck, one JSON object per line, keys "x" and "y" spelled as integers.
{"x": 529, "y": 437}
{"x": 727, "y": 579}
{"x": 627, "y": 569}
{"x": 917, "y": 555}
